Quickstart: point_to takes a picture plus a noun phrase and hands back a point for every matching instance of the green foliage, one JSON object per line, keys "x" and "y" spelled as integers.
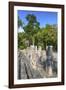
{"x": 21, "y": 40}
{"x": 32, "y": 27}
{"x": 33, "y": 34}
{"x": 20, "y": 23}
{"x": 31, "y": 18}
{"x": 46, "y": 36}
{"x": 49, "y": 35}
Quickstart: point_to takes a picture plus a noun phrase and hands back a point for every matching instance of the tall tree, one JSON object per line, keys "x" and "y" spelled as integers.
{"x": 50, "y": 36}
{"x": 20, "y": 23}
{"x": 32, "y": 27}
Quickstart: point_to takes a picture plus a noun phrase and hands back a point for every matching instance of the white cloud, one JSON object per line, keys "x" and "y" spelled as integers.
{"x": 20, "y": 29}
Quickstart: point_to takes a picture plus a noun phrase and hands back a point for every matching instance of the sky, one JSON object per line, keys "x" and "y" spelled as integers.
{"x": 42, "y": 17}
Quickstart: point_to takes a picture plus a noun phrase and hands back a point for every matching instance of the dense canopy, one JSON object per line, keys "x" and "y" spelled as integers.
{"x": 34, "y": 34}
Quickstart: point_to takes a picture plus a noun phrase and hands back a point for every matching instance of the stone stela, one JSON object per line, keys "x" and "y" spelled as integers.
{"x": 34, "y": 62}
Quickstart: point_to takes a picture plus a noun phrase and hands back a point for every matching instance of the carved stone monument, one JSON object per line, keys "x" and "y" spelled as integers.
{"x": 49, "y": 54}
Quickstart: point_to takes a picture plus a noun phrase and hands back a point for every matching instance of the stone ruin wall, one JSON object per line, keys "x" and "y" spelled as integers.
{"x": 35, "y": 56}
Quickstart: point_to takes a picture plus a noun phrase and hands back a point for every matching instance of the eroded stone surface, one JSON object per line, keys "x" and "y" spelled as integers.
{"x": 33, "y": 63}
